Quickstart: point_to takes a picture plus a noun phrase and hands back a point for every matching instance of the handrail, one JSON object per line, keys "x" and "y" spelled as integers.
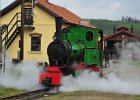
{"x": 3, "y": 28}
{"x": 13, "y": 19}
{"x": 16, "y": 15}
{"x": 9, "y": 31}
{"x": 11, "y": 36}
{"x": 12, "y": 27}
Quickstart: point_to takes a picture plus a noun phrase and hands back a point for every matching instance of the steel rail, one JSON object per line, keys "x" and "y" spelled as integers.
{"x": 33, "y": 95}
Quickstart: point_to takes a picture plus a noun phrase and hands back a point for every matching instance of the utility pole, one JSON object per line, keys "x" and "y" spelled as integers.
{"x": 0, "y": 43}
{"x": 22, "y": 31}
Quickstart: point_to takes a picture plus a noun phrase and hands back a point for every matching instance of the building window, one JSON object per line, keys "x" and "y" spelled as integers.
{"x": 28, "y": 18}
{"x": 35, "y": 42}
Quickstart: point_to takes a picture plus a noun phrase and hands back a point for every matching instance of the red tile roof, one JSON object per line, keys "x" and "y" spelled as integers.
{"x": 121, "y": 28}
{"x": 123, "y": 31}
{"x": 67, "y": 15}
{"x": 55, "y": 10}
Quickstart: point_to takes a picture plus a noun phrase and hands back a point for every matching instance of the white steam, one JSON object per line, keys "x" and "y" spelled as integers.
{"x": 124, "y": 77}
{"x": 21, "y": 76}
{"x": 90, "y": 81}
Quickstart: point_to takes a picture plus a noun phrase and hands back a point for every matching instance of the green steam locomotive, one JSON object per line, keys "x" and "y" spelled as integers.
{"x": 73, "y": 49}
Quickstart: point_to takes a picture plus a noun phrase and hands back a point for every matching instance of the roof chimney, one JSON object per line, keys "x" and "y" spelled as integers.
{"x": 132, "y": 30}
{"x": 114, "y": 29}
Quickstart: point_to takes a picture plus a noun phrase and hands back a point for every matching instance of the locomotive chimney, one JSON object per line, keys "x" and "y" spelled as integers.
{"x": 58, "y": 21}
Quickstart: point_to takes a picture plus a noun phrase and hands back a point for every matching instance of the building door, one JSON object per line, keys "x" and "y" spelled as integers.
{"x": 28, "y": 17}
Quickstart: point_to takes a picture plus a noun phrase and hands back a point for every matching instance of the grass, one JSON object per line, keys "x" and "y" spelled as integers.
{"x": 78, "y": 95}
{"x": 137, "y": 97}
{"x": 5, "y": 92}
{"x": 91, "y": 95}
{"x": 137, "y": 63}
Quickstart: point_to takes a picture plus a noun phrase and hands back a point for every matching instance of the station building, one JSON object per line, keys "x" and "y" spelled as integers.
{"x": 119, "y": 38}
{"x": 39, "y": 28}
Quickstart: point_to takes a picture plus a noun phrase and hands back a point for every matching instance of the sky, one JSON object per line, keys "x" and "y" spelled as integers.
{"x": 97, "y": 9}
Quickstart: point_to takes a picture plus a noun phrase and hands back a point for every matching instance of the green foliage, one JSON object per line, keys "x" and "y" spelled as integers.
{"x": 107, "y": 25}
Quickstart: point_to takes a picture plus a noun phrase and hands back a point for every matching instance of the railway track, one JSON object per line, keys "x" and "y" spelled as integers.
{"x": 33, "y": 95}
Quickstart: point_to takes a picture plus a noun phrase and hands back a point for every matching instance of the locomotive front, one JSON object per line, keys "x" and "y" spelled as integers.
{"x": 62, "y": 50}
{"x": 58, "y": 51}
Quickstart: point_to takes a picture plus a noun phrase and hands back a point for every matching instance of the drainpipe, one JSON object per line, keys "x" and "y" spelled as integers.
{"x": 0, "y": 50}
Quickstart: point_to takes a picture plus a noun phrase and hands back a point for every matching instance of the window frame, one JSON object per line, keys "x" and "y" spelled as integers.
{"x": 35, "y": 36}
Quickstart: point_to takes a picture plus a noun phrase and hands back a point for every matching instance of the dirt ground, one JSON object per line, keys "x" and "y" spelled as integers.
{"x": 91, "y": 95}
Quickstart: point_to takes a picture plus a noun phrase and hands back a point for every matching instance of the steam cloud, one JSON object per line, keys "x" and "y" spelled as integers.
{"x": 21, "y": 76}
{"x": 123, "y": 78}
